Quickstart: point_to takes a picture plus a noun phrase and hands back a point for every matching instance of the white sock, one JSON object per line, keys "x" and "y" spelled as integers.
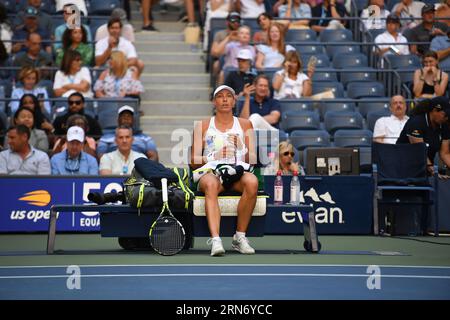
{"x": 216, "y": 239}
{"x": 239, "y": 234}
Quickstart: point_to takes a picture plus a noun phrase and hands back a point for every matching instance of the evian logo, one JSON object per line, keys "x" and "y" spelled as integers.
{"x": 324, "y": 212}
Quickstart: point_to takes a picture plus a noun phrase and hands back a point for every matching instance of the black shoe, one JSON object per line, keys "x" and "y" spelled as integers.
{"x": 150, "y": 27}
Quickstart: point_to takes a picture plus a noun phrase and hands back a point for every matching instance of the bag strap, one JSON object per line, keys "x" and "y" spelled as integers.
{"x": 187, "y": 192}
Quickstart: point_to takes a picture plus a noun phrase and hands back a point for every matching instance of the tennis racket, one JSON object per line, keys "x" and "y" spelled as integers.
{"x": 166, "y": 234}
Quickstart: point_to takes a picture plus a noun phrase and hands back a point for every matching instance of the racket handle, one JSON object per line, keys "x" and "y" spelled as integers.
{"x": 164, "y": 189}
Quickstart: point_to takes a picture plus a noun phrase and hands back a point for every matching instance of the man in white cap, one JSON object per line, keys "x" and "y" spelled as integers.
{"x": 245, "y": 75}
{"x": 225, "y": 139}
{"x": 73, "y": 160}
{"x": 127, "y": 28}
{"x": 142, "y": 143}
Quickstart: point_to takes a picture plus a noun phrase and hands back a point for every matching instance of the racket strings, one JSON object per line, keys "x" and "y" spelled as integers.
{"x": 167, "y": 236}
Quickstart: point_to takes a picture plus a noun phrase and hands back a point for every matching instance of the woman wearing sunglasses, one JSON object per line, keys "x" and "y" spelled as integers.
{"x": 286, "y": 160}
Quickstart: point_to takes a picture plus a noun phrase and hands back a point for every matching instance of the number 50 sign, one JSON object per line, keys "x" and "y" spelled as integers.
{"x": 74, "y": 18}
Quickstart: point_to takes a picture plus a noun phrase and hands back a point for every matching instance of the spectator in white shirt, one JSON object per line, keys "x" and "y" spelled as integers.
{"x": 127, "y": 29}
{"x": 373, "y": 17}
{"x": 388, "y": 129}
{"x": 397, "y": 42}
{"x": 408, "y": 9}
{"x": 120, "y": 161}
{"x": 250, "y": 8}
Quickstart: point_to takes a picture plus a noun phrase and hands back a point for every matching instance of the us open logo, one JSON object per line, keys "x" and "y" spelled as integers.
{"x": 74, "y": 19}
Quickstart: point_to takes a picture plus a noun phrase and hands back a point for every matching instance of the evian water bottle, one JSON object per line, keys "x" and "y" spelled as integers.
{"x": 278, "y": 189}
{"x": 295, "y": 189}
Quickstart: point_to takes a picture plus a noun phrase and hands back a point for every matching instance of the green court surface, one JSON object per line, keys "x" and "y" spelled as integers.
{"x": 91, "y": 249}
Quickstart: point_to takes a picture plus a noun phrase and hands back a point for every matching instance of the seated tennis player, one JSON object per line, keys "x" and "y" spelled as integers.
{"x": 222, "y": 151}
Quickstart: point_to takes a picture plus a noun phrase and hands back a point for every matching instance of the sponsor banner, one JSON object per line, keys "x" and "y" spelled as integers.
{"x": 26, "y": 202}
{"x": 342, "y": 205}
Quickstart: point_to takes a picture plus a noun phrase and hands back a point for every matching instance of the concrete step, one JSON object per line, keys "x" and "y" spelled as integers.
{"x": 175, "y": 67}
{"x": 196, "y": 79}
{"x": 145, "y": 46}
{"x": 159, "y": 36}
{"x": 174, "y": 157}
{"x": 177, "y": 108}
{"x": 168, "y": 139}
{"x": 176, "y": 121}
{"x": 170, "y": 57}
{"x": 176, "y": 93}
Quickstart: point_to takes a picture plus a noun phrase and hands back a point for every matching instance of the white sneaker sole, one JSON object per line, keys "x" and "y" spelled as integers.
{"x": 237, "y": 249}
{"x": 218, "y": 253}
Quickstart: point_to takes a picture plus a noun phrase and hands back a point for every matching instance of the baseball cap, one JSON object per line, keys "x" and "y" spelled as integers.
{"x": 125, "y": 108}
{"x": 428, "y": 8}
{"x": 223, "y": 87}
{"x": 392, "y": 18}
{"x": 441, "y": 104}
{"x": 75, "y": 133}
{"x": 245, "y": 54}
{"x": 31, "y": 12}
{"x": 119, "y": 13}
{"x": 234, "y": 16}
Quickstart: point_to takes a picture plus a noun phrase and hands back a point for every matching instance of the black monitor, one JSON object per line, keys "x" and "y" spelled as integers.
{"x": 332, "y": 161}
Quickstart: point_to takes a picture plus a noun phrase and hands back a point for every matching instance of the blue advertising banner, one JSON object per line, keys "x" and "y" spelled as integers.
{"x": 25, "y": 202}
{"x": 342, "y": 205}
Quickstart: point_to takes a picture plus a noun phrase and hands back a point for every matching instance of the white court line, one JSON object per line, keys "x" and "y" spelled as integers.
{"x": 168, "y": 275}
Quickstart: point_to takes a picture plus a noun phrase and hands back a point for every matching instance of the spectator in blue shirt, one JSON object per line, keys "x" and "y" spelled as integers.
{"x": 262, "y": 111}
{"x": 74, "y": 161}
{"x": 142, "y": 143}
{"x": 441, "y": 45}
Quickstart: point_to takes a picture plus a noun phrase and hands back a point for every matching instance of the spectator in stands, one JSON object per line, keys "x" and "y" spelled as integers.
{"x": 29, "y": 78}
{"x": 429, "y": 124}
{"x": 76, "y": 39}
{"x": 118, "y": 80}
{"x": 61, "y": 5}
{"x": 21, "y": 158}
{"x": 272, "y": 54}
{"x": 443, "y": 11}
{"x": 120, "y": 161}
{"x": 233, "y": 47}
{"x": 388, "y": 129}
{"x": 220, "y": 9}
{"x": 72, "y": 77}
{"x": 245, "y": 75}
{"x": 6, "y": 31}
{"x": 127, "y": 29}
{"x": 146, "y": 9}
{"x": 59, "y": 31}
{"x": 285, "y": 161}
{"x": 426, "y": 31}
{"x": 262, "y": 111}
{"x": 5, "y": 62}
{"x": 34, "y": 56}
{"x": 89, "y": 144}
{"x": 76, "y": 106}
{"x": 142, "y": 143}
{"x": 115, "y": 42}
{"x": 372, "y": 19}
{"x": 408, "y": 9}
{"x": 392, "y": 36}
{"x": 38, "y": 138}
{"x": 430, "y": 81}
{"x": 250, "y": 8}
{"x": 44, "y": 20}
{"x": 329, "y": 13}
{"x": 441, "y": 45}
{"x": 74, "y": 161}
{"x": 31, "y": 25}
{"x": 264, "y": 20}
{"x": 41, "y": 120}
{"x": 291, "y": 82}
{"x": 296, "y": 9}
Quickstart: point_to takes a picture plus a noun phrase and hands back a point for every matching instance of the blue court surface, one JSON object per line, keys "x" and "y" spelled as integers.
{"x": 224, "y": 282}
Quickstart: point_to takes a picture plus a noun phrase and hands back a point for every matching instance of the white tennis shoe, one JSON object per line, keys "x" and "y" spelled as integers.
{"x": 242, "y": 245}
{"x": 217, "y": 249}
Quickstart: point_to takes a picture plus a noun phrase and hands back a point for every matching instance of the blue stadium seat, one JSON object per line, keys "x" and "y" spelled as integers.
{"x": 373, "y": 116}
{"x": 10, "y": 6}
{"x": 287, "y": 105}
{"x": 252, "y": 23}
{"x": 96, "y": 22}
{"x": 104, "y": 7}
{"x": 335, "y": 120}
{"x": 332, "y": 50}
{"x": 322, "y": 60}
{"x": 299, "y": 35}
{"x": 339, "y": 35}
{"x": 309, "y": 48}
{"x": 324, "y": 75}
{"x": 302, "y": 139}
{"x": 366, "y": 106}
{"x": 270, "y": 72}
{"x": 350, "y": 60}
{"x": 357, "y": 75}
{"x": 353, "y": 138}
{"x": 47, "y": 6}
{"x": 324, "y": 107}
{"x": 373, "y": 33}
{"x": 336, "y": 87}
{"x": 300, "y": 120}
{"x": 107, "y": 114}
{"x": 365, "y": 159}
{"x": 357, "y": 90}
{"x": 409, "y": 61}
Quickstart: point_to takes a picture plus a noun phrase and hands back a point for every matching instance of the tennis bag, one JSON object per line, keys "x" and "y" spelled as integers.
{"x": 143, "y": 187}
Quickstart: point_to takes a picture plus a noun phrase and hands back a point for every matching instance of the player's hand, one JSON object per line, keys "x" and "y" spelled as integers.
{"x": 234, "y": 140}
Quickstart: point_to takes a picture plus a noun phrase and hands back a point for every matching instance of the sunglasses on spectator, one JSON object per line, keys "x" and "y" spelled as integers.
{"x": 287, "y": 153}
{"x": 77, "y": 102}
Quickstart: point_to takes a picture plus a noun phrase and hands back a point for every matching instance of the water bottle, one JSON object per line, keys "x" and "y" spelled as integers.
{"x": 278, "y": 189}
{"x": 295, "y": 189}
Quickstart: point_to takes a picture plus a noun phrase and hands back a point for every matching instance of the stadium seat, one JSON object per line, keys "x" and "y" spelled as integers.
{"x": 403, "y": 61}
{"x": 324, "y": 75}
{"x": 10, "y": 6}
{"x": 357, "y": 90}
{"x": 357, "y": 75}
{"x": 373, "y": 116}
{"x": 324, "y": 107}
{"x": 309, "y": 48}
{"x": 365, "y": 159}
{"x": 366, "y": 106}
{"x": 373, "y": 33}
{"x": 322, "y": 60}
{"x": 353, "y": 138}
{"x": 350, "y": 60}
{"x": 2, "y": 102}
{"x": 107, "y": 114}
{"x": 104, "y": 7}
{"x": 332, "y": 50}
{"x": 3, "y": 126}
{"x": 96, "y": 22}
{"x": 252, "y": 23}
{"x": 270, "y": 72}
{"x": 300, "y": 120}
{"x": 339, "y": 35}
{"x": 302, "y": 139}
{"x": 322, "y": 86}
{"x": 296, "y": 35}
{"x": 335, "y": 120}
{"x": 287, "y": 105}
